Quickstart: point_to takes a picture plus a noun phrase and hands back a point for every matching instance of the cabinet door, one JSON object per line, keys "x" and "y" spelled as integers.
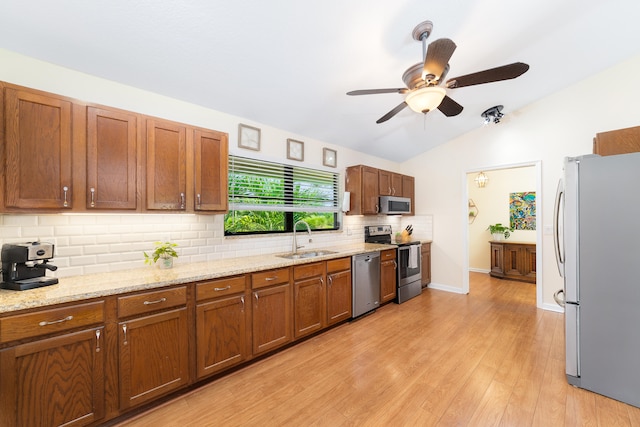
{"x": 512, "y": 260}
{"x": 387, "y": 280}
{"x": 166, "y": 165}
{"x": 271, "y": 317}
{"x": 112, "y": 155}
{"x": 370, "y": 192}
{"x": 153, "y": 356}
{"x": 396, "y": 185}
{"x": 426, "y": 263}
{"x": 210, "y": 168}
{"x": 408, "y": 190}
{"x": 221, "y": 328}
{"x": 497, "y": 259}
{"x": 38, "y": 151}
{"x": 309, "y": 306}
{"x": 529, "y": 262}
{"x": 339, "y": 294}
{"x": 384, "y": 183}
{"x": 55, "y": 381}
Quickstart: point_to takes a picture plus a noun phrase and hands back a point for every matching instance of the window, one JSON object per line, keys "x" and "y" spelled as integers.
{"x": 267, "y": 197}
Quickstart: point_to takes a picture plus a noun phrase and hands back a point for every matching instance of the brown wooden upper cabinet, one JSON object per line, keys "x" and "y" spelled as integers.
{"x": 166, "y": 165}
{"x": 390, "y": 183}
{"x": 112, "y": 159}
{"x": 620, "y": 141}
{"x": 367, "y": 184}
{"x": 62, "y": 154}
{"x": 38, "y": 150}
{"x": 211, "y": 152}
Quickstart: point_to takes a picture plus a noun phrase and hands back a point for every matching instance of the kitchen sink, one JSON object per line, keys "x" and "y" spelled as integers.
{"x": 306, "y": 254}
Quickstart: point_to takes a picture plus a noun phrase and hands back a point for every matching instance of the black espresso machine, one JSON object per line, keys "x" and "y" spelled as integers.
{"x": 24, "y": 265}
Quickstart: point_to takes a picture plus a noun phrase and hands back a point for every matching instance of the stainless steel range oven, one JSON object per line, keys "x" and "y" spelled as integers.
{"x": 408, "y": 258}
{"x": 409, "y": 261}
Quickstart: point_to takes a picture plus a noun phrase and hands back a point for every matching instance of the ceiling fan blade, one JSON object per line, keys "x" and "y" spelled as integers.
{"x": 506, "y": 72}
{"x": 392, "y": 113}
{"x": 437, "y": 57}
{"x": 375, "y": 91}
{"x": 449, "y": 107}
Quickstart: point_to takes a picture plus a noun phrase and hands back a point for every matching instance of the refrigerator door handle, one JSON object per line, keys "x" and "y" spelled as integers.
{"x": 557, "y": 299}
{"x": 556, "y": 229}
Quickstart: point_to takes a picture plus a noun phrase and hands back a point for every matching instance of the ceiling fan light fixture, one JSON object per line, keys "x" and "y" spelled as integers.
{"x": 425, "y": 99}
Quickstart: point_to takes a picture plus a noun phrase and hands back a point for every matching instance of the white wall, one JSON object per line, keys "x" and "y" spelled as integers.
{"x": 492, "y": 203}
{"x": 96, "y": 243}
{"x": 560, "y": 125}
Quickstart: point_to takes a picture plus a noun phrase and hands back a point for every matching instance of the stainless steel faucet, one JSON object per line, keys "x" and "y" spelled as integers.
{"x": 295, "y": 243}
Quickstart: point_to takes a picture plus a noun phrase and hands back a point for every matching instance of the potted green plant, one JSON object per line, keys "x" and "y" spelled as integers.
{"x": 165, "y": 252}
{"x": 498, "y": 231}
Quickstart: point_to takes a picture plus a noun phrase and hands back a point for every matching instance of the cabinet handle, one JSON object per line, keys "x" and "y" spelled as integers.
{"x": 93, "y": 198}
{"x": 222, "y": 289}
{"x": 158, "y": 301}
{"x": 322, "y": 280}
{"x": 395, "y": 265}
{"x": 255, "y": 294}
{"x": 198, "y": 200}
{"x": 124, "y": 329}
{"x": 65, "y": 189}
{"x": 97, "y": 340}
{"x": 66, "y": 319}
{"x": 377, "y": 209}
{"x": 181, "y": 200}
{"x": 270, "y": 279}
{"x": 330, "y": 280}
{"x": 391, "y": 191}
{"x": 242, "y": 302}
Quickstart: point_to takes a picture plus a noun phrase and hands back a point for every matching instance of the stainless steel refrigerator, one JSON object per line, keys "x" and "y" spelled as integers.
{"x": 597, "y": 241}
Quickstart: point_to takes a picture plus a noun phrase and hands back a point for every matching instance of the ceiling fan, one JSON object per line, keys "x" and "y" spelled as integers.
{"x": 423, "y": 80}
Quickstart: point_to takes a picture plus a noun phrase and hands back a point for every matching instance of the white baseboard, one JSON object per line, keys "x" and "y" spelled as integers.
{"x": 552, "y": 307}
{"x": 479, "y": 270}
{"x": 446, "y": 288}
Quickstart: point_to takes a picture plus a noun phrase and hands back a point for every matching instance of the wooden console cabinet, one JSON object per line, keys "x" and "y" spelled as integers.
{"x": 513, "y": 261}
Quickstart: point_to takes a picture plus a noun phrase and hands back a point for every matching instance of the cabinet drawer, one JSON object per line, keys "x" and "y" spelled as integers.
{"x": 50, "y": 321}
{"x": 387, "y": 254}
{"x": 339, "y": 264}
{"x": 269, "y": 278}
{"x": 219, "y": 288}
{"x": 151, "y": 301}
{"x": 308, "y": 270}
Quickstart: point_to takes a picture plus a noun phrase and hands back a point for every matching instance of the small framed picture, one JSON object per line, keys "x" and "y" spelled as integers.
{"x": 329, "y": 157}
{"x": 248, "y": 137}
{"x": 295, "y": 150}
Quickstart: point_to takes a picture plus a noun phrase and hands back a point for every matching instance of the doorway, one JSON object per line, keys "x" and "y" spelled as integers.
{"x": 490, "y": 205}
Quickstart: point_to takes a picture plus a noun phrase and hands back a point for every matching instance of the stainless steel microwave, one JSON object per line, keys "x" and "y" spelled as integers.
{"x": 392, "y": 205}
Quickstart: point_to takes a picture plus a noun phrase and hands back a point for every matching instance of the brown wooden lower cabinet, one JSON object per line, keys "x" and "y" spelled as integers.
{"x": 425, "y": 251}
{"x": 513, "y": 260}
{"x": 40, "y": 379}
{"x": 222, "y": 325}
{"x": 388, "y": 269}
{"x": 153, "y": 356}
{"x": 89, "y": 362}
{"x": 339, "y": 290}
{"x": 309, "y": 298}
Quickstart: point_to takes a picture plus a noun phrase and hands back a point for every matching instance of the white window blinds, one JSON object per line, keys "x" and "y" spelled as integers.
{"x": 258, "y": 185}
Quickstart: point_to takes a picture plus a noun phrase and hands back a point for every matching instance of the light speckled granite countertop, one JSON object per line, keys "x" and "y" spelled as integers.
{"x": 100, "y": 285}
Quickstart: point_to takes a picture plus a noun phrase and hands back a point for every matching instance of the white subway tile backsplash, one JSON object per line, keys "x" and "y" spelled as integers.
{"x": 90, "y": 243}
{"x": 20, "y": 220}
{"x": 83, "y": 260}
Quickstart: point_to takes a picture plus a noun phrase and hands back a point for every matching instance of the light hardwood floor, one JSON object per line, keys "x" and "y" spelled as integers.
{"x": 442, "y": 359}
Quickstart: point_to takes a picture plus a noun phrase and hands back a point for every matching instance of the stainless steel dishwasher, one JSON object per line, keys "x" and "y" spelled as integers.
{"x": 366, "y": 282}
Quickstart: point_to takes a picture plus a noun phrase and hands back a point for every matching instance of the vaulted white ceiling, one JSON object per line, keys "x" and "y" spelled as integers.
{"x": 289, "y": 63}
